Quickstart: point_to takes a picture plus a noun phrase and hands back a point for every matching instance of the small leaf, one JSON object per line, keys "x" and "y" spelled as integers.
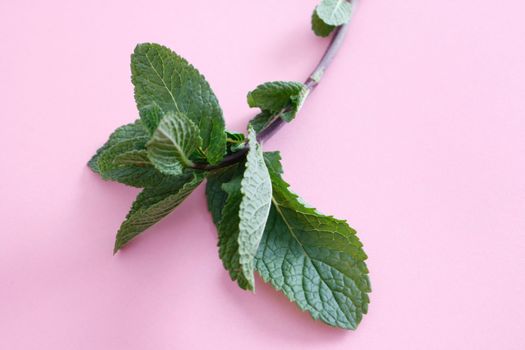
{"x": 319, "y": 27}
{"x": 163, "y": 78}
{"x": 261, "y": 121}
{"x": 334, "y": 12}
{"x": 229, "y": 232}
{"x": 234, "y": 141}
{"x": 151, "y": 115}
{"x": 216, "y": 196}
{"x": 125, "y": 132}
{"x": 125, "y": 161}
{"x": 315, "y": 260}
{"x": 256, "y": 191}
{"x": 239, "y": 199}
{"x": 172, "y": 143}
{"x": 279, "y": 96}
{"x": 154, "y": 203}
{"x": 273, "y": 162}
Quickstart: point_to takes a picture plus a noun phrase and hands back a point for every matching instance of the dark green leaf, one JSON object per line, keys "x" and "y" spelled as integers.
{"x": 315, "y": 260}
{"x": 276, "y": 96}
{"x": 261, "y": 121}
{"x": 319, "y": 27}
{"x": 123, "y": 159}
{"x": 163, "y": 78}
{"x": 151, "y": 116}
{"x": 215, "y": 194}
{"x": 229, "y": 232}
{"x": 125, "y": 132}
{"x": 154, "y": 203}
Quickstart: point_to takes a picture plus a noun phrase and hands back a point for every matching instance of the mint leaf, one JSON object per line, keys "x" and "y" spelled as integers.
{"x": 315, "y": 260}
{"x": 122, "y": 133}
{"x": 319, "y": 27}
{"x": 261, "y": 121}
{"x": 172, "y": 143}
{"x": 215, "y": 194}
{"x": 229, "y": 232}
{"x": 151, "y": 116}
{"x": 234, "y": 141}
{"x": 276, "y": 96}
{"x": 334, "y": 12}
{"x": 124, "y": 160}
{"x": 163, "y": 78}
{"x": 273, "y": 162}
{"x": 154, "y": 203}
{"x": 256, "y": 191}
{"x": 240, "y": 211}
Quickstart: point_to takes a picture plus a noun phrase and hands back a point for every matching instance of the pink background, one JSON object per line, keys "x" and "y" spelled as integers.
{"x": 416, "y": 136}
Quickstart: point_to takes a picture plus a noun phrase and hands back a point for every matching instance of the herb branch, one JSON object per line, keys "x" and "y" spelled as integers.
{"x": 263, "y": 227}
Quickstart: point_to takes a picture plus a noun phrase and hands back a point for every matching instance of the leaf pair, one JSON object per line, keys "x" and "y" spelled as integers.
{"x": 315, "y": 260}
{"x": 330, "y": 14}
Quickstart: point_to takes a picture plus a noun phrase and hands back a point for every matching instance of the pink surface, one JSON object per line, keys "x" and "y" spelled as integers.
{"x": 416, "y": 136}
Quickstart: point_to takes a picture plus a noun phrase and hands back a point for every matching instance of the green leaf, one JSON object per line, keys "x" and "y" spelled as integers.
{"x": 125, "y": 132}
{"x": 229, "y": 232}
{"x": 234, "y": 141}
{"x": 151, "y": 115}
{"x": 319, "y": 27}
{"x": 172, "y": 143}
{"x": 256, "y": 191}
{"x": 334, "y": 12}
{"x": 215, "y": 194}
{"x": 315, "y": 260}
{"x": 154, "y": 203}
{"x": 279, "y": 96}
{"x": 239, "y": 199}
{"x": 163, "y": 78}
{"x": 124, "y": 160}
{"x": 261, "y": 121}
{"x": 273, "y": 162}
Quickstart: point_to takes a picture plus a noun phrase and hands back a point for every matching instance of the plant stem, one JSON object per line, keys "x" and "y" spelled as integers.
{"x": 311, "y": 83}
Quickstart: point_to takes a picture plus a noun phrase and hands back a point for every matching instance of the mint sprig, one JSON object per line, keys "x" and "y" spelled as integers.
{"x": 317, "y": 261}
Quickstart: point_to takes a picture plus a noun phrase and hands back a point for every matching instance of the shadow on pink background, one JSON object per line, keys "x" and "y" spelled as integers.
{"x": 416, "y": 136}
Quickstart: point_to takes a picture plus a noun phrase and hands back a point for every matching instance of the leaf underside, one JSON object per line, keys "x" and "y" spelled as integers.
{"x": 334, "y": 12}
{"x": 315, "y": 260}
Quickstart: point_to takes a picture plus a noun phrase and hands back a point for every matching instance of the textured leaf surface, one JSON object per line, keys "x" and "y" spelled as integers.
{"x": 234, "y": 141}
{"x": 275, "y": 96}
{"x": 172, "y": 143}
{"x": 229, "y": 231}
{"x": 319, "y": 27}
{"x": 261, "y": 121}
{"x": 215, "y": 194}
{"x": 334, "y": 12}
{"x": 154, "y": 203}
{"x": 125, "y": 161}
{"x": 163, "y": 78}
{"x": 125, "y": 132}
{"x": 315, "y": 260}
{"x": 151, "y": 116}
{"x": 256, "y": 191}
